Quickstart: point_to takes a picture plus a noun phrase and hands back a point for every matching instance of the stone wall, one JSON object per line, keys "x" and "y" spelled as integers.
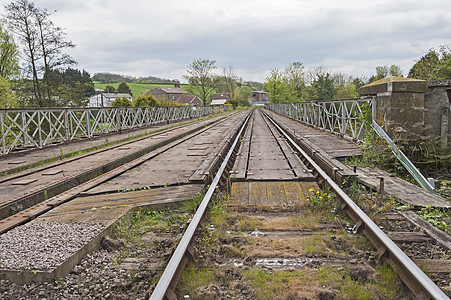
{"x": 437, "y": 104}
{"x": 412, "y": 108}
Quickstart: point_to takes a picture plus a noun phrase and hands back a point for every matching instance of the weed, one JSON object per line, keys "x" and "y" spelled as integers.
{"x": 60, "y": 281}
{"x": 445, "y": 190}
{"x": 434, "y": 216}
{"x": 191, "y": 204}
{"x": 247, "y": 224}
{"x": 314, "y": 244}
{"x": 321, "y": 201}
{"x": 194, "y": 277}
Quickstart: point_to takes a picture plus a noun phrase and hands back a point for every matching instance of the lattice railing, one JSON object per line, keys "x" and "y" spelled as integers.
{"x": 36, "y": 128}
{"x": 345, "y": 117}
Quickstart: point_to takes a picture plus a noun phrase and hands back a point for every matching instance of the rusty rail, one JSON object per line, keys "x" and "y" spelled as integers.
{"x": 178, "y": 259}
{"x": 415, "y": 279}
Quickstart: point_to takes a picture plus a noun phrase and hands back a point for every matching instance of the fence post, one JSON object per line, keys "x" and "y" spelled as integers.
{"x": 343, "y": 118}
{"x": 22, "y": 120}
{"x": 40, "y": 128}
{"x": 119, "y": 118}
{"x": 88, "y": 124}
{"x": 66, "y": 124}
{"x": 3, "y": 133}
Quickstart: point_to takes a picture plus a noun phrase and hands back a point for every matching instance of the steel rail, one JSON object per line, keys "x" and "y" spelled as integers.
{"x": 62, "y": 185}
{"x": 171, "y": 269}
{"x": 423, "y": 284}
{"x": 34, "y": 211}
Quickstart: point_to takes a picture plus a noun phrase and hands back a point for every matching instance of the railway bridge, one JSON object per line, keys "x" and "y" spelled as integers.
{"x": 72, "y": 179}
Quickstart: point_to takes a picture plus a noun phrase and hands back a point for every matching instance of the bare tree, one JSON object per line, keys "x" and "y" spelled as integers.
{"x": 42, "y": 45}
{"x": 20, "y": 17}
{"x": 230, "y": 80}
{"x": 52, "y": 42}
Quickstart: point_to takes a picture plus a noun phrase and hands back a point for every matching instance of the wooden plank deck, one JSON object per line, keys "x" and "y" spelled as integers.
{"x": 404, "y": 191}
{"x": 271, "y": 193}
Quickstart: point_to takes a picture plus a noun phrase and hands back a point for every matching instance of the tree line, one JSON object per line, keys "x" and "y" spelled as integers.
{"x": 296, "y": 83}
{"x": 115, "y": 78}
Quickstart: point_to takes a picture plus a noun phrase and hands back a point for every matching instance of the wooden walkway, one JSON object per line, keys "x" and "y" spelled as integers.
{"x": 405, "y": 192}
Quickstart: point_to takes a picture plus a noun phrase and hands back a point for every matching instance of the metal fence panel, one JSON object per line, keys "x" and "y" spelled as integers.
{"x": 36, "y": 128}
{"x": 345, "y": 117}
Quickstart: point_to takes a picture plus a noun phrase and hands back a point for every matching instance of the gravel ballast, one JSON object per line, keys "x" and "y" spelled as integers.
{"x": 43, "y": 245}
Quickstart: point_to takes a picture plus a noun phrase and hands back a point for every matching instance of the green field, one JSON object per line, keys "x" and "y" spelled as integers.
{"x": 137, "y": 88}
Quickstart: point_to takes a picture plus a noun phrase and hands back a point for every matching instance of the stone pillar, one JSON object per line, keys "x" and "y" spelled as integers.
{"x": 399, "y": 105}
{"x": 437, "y": 118}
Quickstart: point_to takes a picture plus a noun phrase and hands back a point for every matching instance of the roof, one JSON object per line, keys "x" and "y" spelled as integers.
{"x": 218, "y": 102}
{"x": 187, "y": 99}
{"x": 220, "y": 96}
{"x": 170, "y": 89}
{"x": 260, "y": 92}
{"x": 112, "y": 95}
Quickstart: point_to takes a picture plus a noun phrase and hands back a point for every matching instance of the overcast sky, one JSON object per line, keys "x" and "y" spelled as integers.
{"x": 160, "y": 38}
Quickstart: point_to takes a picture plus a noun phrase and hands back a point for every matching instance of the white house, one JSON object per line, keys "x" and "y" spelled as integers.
{"x": 218, "y": 102}
{"x": 105, "y": 99}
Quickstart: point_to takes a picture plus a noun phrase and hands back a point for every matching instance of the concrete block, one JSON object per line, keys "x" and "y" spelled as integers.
{"x": 393, "y": 85}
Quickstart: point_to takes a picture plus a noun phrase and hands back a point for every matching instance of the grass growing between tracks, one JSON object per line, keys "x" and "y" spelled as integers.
{"x": 231, "y": 271}
{"x": 149, "y": 230}
{"x": 325, "y": 282}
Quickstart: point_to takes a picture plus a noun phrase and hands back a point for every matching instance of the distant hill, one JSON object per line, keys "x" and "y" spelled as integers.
{"x": 257, "y": 85}
{"x": 116, "y": 78}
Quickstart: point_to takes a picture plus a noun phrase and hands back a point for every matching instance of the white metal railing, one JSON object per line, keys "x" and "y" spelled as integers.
{"x": 36, "y": 128}
{"x": 346, "y": 117}
{"x": 350, "y": 117}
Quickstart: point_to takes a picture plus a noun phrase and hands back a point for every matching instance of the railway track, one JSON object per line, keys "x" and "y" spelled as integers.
{"x": 275, "y": 237}
{"x": 290, "y": 238}
{"x": 36, "y": 191}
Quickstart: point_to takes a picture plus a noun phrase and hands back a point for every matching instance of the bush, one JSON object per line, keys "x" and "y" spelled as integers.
{"x": 166, "y": 102}
{"x": 121, "y": 102}
{"x": 145, "y": 100}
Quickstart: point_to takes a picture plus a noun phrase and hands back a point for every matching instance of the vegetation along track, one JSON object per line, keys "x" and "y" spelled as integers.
{"x": 306, "y": 248}
{"x": 35, "y": 191}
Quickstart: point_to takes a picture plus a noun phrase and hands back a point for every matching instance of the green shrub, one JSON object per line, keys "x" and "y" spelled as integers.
{"x": 121, "y": 102}
{"x": 145, "y": 100}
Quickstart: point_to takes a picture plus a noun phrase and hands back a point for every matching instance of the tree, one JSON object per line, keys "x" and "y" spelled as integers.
{"x": 228, "y": 82}
{"x": 294, "y": 74}
{"x": 124, "y": 88}
{"x": 395, "y": 70}
{"x": 9, "y": 55}
{"x": 323, "y": 87}
{"x": 384, "y": 71}
{"x": 52, "y": 42}
{"x": 280, "y": 87}
{"x": 202, "y": 82}
{"x": 109, "y": 89}
{"x": 20, "y": 18}
{"x": 121, "y": 102}
{"x": 42, "y": 45}
{"x": 7, "y": 98}
{"x": 242, "y": 95}
{"x": 70, "y": 87}
{"x": 274, "y": 86}
{"x": 145, "y": 100}
{"x": 434, "y": 65}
